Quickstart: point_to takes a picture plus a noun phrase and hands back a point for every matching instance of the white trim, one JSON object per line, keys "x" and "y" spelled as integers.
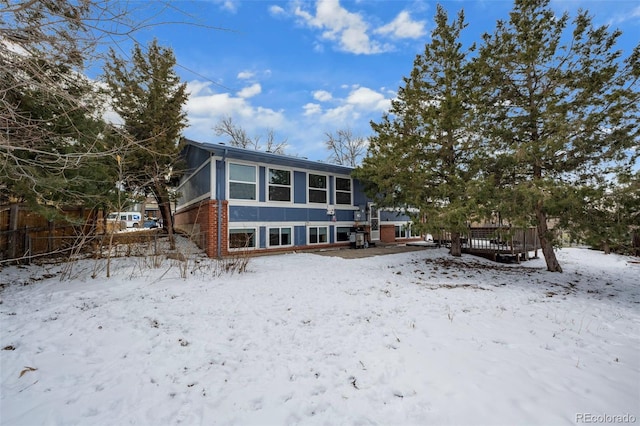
{"x": 309, "y": 188}
{"x": 196, "y": 200}
{"x": 335, "y": 190}
{"x": 291, "y": 236}
{"x": 309, "y": 243}
{"x": 228, "y": 180}
{"x": 256, "y": 238}
{"x": 267, "y": 184}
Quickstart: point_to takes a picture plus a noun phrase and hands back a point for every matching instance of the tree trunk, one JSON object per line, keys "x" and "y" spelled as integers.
{"x": 456, "y": 245}
{"x": 546, "y": 243}
{"x": 164, "y": 204}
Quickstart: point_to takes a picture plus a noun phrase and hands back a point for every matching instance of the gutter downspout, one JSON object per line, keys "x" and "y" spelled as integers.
{"x": 219, "y": 200}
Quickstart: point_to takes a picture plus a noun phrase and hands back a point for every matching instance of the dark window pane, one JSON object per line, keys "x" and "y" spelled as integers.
{"x": 343, "y": 198}
{"x": 343, "y": 184}
{"x": 317, "y": 196}
{"x": 285, "y": 236}
{"x": 242, "y": 191}
{"x": 241, "y": 238}
{"x": 317, "y": 181}
{"x": 274, "y": 237}
{"x": 342, "y": 233}
{"x": 322, "y": 235}
{"x": 313, "y": 235}
{"x": 280, "y": 177}
{"x": 279, "y": 193}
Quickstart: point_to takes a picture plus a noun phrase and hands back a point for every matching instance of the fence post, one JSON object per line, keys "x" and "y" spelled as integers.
{"x": 50, "y": 237}
{"x": 13, "y": 227}
{"x": 27, "y": 246}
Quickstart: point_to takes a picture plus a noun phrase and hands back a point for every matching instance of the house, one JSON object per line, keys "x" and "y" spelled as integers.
{"x": 233, "y": 199}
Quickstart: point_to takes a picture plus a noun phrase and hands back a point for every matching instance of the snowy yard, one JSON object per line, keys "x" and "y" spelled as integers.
{"x": 412, "y": 338}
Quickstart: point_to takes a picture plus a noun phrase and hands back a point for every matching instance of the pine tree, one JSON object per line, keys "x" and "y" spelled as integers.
{"x": 558, "y": 108}
{"x": 51, "y": 134}
{"x": 422, "y": 153}
{"x": 149, "y": 96}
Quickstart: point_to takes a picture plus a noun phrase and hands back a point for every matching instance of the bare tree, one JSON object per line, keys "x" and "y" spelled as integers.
{"x": 238, "y": 137}
{"x": 346, "y": 149}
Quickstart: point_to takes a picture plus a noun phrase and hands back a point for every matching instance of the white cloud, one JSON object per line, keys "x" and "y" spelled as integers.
{"x": 276, "y": 10}
{"x": 360, "y": 101}
{"x": 250, "y": 91}
{"x": 403, "y": 27}
{"x": 322, "y": 95}
{"x": 245, "y": 75}
{"x": 631, "y": 15}
{"x": 368, "y": 99}
{"x": 349, "y": 30}
{"x": 312, "y": 109}
{"x": 197, "y": 87}
{"x": 205, "y": 109}
{"x": 229, "y": 5}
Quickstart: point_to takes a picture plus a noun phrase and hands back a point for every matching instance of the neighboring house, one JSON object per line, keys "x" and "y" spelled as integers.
{"x": 233, "y": 199}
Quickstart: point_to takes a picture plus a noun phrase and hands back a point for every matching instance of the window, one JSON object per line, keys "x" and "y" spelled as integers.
{"x": 280, "y": 237}
{"x": 242, "y": 182}
{"x": 242, "y": 238}
{"x": 343, "y": 191}
{"x": 317, "y": 188}
{"x": 405, "y": 231}
{"x": 279, "y": 185}
{"x": 318, "y": 235}
{"x": 343, "y": 233}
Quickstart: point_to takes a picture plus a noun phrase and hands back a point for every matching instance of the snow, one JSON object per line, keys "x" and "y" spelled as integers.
{"x": 409, "y": 338}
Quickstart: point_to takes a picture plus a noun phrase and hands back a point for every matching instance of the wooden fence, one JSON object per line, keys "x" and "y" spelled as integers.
{"x": 25, "y": 234}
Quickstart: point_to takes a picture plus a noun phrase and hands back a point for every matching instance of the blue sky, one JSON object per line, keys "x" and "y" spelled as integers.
{"x": 304, "y": 68}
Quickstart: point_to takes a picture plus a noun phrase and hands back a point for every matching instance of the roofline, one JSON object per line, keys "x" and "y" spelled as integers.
{"x": 268, "y": 157}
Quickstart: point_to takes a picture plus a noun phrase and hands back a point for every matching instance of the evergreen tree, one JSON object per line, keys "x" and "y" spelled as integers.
{"x": 52, "y": 139}
{"x": 148, "y": 95}
{"x": 422, "y": 153}
{"x": 557, "y": 108}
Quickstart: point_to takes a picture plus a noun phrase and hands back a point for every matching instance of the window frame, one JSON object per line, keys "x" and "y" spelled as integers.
{"x": 341, "y": 191}
{"x": 325, "y": 189}
{"x": 230, "y": 181}
{"x": 255, "y": 238}
{"x": 277, "y": 185}
{"x": 317, "y": 228}
{"x": 279, "y": 228}
{"x": 348, "y": 234}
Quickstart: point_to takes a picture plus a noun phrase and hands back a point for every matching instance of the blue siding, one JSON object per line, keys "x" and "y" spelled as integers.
{"x": 344, "y": 215}
{"x": 300, "y": 235}
{"x": 331, "y": 189}
{"x": 263, "y": 237}
{"x": 197, "y": 185}
{"x": 195, "y": 156}
{"x": 261, "y": 183}
{"x": 299, "y": 187}
{"x": 359, "y": 198}
{"x": 282, "y": 214}
{"x": 221, "y": 191}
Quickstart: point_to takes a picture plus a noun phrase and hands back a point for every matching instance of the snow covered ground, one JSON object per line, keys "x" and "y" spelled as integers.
{"x": 411, "y": 338}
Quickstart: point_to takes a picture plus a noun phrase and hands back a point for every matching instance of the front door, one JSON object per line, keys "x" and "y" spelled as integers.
{"x": 374, "y": 222}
